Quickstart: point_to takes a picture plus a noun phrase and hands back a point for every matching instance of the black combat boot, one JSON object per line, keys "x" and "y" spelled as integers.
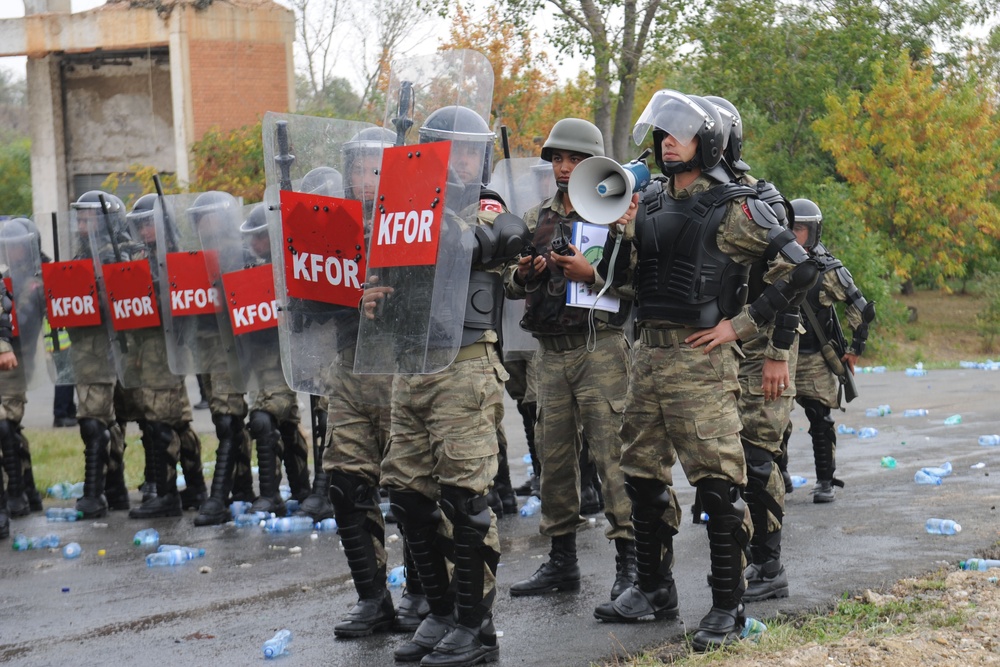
{"x": 115, "y": 489}
{"x": 264, "y": 430}
{"x": 413, "y": 606}
{"x": 824, "y": 440}
{"x": 17, "y": 501}
{"x": 626, "y": 574}
{"x": 317, "y": 504}
{"x": 560, "y": 573}
{"x": 167, "y": 502}
{"x": 95, "y": 437}
{"x": 27, "y": 474}
{"x": 215, "y": 509}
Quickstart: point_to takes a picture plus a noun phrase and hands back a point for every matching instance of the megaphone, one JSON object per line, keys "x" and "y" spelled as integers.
{"x": 601, "y": 189}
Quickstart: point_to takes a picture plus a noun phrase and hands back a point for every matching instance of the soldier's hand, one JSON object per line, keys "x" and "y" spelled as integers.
{"x": 7, "y": 361}
{"x": 850, "y": 360}
{"x": 721, "y": 333}
{"x": 630, "y": 212}
{"x": 776, "y": 378}
{"x": 372, "y": 298}
{"x": 529, "y": 266}
{"x": 575, "y": 266}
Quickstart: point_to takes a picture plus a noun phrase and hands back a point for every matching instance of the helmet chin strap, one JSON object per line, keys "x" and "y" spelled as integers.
{"x": 562, "y": 187}
{"x": 670, "y": 168}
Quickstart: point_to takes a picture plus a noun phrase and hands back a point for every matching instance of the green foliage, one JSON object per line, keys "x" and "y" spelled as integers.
{"x": 337, "y": 99}
{"x": 15, "y": 175}
{"x": 230, "y": 161}
{"x": 988, "y": 319}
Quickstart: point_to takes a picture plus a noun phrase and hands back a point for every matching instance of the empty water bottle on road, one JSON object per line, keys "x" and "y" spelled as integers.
{"x": 251, "y": 519}
{"x": 327, "y": 525}
{"x": 943, "y": 527}
{"x": 942, "y": 472}
{"x": 62, "y": 514}
{"x": 752, "y": 629}
{"x": 954, "y": 419}
{"x": 172, "y": 557}
{"x": 921, "y": 477}
{"x": 396, "y": 576}
{"x": 71, "y": 551}
{"x": 531, "y": 506}
{"x": 238, "y": 507}
{"x": 289, "y": 524}
{"x": 278, "y": 644}
{"x": 919, "y": 412}
{"x": 66, "y": 490}
{"x": 867, "y": 432}
{"x": 798, "y": 481}
{"x": 916, "y": 372}
{"x": 989, "y": 440}
{"x": 23, "y": 543}
{"x": 147, "y": 537}
{"x": 190, "y": 552}
{"x": 880, "y": 411}
{"x": 978, "y": 564}
{"x": 844, "y": 429}
{"x": 888, "y": 462}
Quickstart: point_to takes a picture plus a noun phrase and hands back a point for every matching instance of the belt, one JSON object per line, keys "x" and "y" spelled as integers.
{"x": 665, "y": 337}
{"x": 566, "y": 342}
{"x": 473, "y": 351}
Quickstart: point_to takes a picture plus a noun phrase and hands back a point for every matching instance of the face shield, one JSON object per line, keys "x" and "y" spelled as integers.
{"x": 674, "y": 113}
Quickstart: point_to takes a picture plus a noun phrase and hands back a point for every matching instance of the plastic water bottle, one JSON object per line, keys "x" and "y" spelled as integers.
{"x": 277, "y": 645}
{"x": 532, "y": 506}
{"x": 798, "y": 481}
{"x": 164, "y": 558}
{"x": 396, "y": 576}
{"x": 71, "y": 551}
{"x": 923, "y": 478}
{"x": 62, "y": 514}
{"x": 327, "y": 525}
{"x": 920, "y": 412}
{"x": 252, "y": 519}
{"x": 527, "y": 459}
{"x": 867, "y": 432}
{"x": 23, "y": 543}
{"x": 189, "y": 552}
{"x": 978, "y": 564}
{"x": 752, "y": 629}
{"x": 941, "y": 472}
{"x": 147, "y": 537}
{"x": 989, "y": 440}
{"x": 954, "y": 419}
{"x": 291, "y": 507}
{"x": 66, "y": 490}
{"x": 888, "y": 462}
{"x": 943, "y": 527}
{"x": 915, "y": 372}
{"x": 238, "y": 507}
{"x": 878, "y": 369}
{"x": 880, "y": 411}
{"x": 289, "y": 524}
{"x": 285, "y": 492}
{"x": 844, "y": 429}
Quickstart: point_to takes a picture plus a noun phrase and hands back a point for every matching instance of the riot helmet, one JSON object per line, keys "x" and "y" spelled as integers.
{"x": 684, "y": 117}
{"x": 323, "y": 181}
{"x": 254, "y": 229}
{"x": 140, "y": 219}
{"x": 362, "y": 161}
{"x": 104, "y": 222}
{"x": 209, "y": 204}
{"x": 808, "y": 215}
{"x": 733, "y": 129}
{"x": 461, "y": 125}
{"x": 16, "y": 241}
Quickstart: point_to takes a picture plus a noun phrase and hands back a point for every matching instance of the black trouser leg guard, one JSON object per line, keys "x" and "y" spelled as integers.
{"x": 190, "y": 458}
{"x": 760, "y": 466}
{"x": 228, "y": 428}
{"x": 353, "y": 502}
{"x": 295, "y": 454}
{"x": 96, "y": 438}
{"x": 783, "y": 459}
{"x": 728, "y": 540}
{"x": 471, "y": 517}
{"x": 11, "y": 448}
{"x": 654, "y": 538}
{"x": 529, "y": 415}
{"x": 824, "y": 437}
{"x": 413, "y": 585}
{"x": 420, "y": 518}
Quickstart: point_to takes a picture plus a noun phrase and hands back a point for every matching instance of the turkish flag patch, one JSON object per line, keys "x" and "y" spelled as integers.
{"x": 746, "y": 211}
{"x": 490, "y": 205}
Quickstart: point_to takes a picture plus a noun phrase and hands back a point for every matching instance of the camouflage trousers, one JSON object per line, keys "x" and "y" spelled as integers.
{"x": 814, "y": 379}
{"x": 12, "y": 410}
{"x": 584, "y": 389}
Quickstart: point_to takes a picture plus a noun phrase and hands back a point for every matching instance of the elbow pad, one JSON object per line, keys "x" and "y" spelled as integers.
{"x": 786, "y": 325}
{"x": 500, "y": 242}
{"x": 860, "y": 336}
{"x": 784, "y": 293}
{"x": 6, "y": 324}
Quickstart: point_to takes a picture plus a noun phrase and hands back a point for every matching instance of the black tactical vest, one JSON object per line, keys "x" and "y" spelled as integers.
{"x": 809, "y": 342}
{"x": 682, "y": 275}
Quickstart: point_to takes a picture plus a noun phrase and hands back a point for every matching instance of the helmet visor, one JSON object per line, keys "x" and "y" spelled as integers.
{"x": 673, "y": 113}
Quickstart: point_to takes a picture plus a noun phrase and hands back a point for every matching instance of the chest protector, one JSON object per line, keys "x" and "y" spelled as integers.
{"x": 824, "y": 314}
{"x": 546, "y": 312}
{"x": 682, "y": 275}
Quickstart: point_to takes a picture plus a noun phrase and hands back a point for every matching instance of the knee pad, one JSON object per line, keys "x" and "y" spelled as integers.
{"x": 412, "y": 508}
{"x": 718, "y": 496}
{"x": 465, "y": 508}
{"x": 93, "y": 429}
{"x": 760, "y": 462}
{"x": 350, "y": 492}
{"x": 648, "y": 492}
{"x": 816, "y": 412}
{"x": 227, "y": 426}
{"x": 261, "y": 424}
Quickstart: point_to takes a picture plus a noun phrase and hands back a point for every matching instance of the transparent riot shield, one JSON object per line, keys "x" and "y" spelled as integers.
{"x": 428, "y": 203}
{"x": 190, "y": 301}
{"x": 523, "y": 183}
{"x": 318, "y": 237}
{"x": 21, "y": 269}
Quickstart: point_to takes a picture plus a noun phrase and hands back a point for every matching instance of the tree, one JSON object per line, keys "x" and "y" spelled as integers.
{"x": 15, "y": 174}
{"x": 230, "y": 161}
{"x": 921, "y": 159}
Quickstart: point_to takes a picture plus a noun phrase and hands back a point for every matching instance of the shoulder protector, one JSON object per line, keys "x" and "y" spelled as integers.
{"x": 501, "y": 241}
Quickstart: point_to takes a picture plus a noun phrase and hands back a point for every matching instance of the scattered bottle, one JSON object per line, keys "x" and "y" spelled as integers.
{"x": 798, "y": 481}
{"x": 62, "y": 514}
{"x": 147, "y": 537}
{"x": 71, "y": 551}
{"x": 844, "y": 429}
{"x": 291, "y": 507}
{"x": 238, "y": 507}
{"x": 190, "y": 552}
{"x": 752, "y": 629}
{"x": 954, "y": 419}
{"x": 867, "y": 432}
{"x": 527, "y": 458}
{"x": 704, "y": 517}
{"x": 915, "y": 372}
{"x": 919, "y": 412}
{"x": 977, "y": 466}
{"x": 278, "y": 644}
{"x": 943, "y": 527}
{"x": 327, "y": 525}
{"x": 24, "y": 543}
{"x": 941, "y": 472}
{"x": 880, "y": 411}
{"x": 878, "y": 369}
{"x": 252, "y": 519}
{"x": 921, "y": 477}
{"x": 66, "y": 490}
{"x": 978, "y": 564}
{"x": 172, "y": 557}
{"x": 989, "y": 440}
{"x": 285, "y": 492}
{"x": 888, "y": 462}
{"x": 531, "y": 506}
{"x": 396, "y": 576}
{"x": 289, "y": 524}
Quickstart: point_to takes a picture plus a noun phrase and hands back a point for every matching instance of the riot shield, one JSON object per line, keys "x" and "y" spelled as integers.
{"x": 321, "y": 237}
{"x": 190, "y": 300}
{"x": 21, "y": 269}
{"x": 428, "y": 203}
{"x": 523, "y": 183}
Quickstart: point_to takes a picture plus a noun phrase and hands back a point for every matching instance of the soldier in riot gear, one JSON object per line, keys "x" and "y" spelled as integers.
{"x": 582, "y": 379}
{"x": 682, "y": 401}
{"x": 819, "y": 390}
{"x": 443, "y": 457}
{"x": 8, "y": 361}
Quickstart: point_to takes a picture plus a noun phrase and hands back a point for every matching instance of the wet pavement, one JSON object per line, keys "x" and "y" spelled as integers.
{"x": 99, "y": 610}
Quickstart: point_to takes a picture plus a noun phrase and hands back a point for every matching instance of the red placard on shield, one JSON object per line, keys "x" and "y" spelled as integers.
{"x": 324, "y": 248}
{"x": 250, "y": 299}
{"x": 13, "y": 307}
{"x": 191, "y": 292}
{"x": 408, "y": 218}
{"x": 130, "y": 295}
{"x": 71, "y": 294}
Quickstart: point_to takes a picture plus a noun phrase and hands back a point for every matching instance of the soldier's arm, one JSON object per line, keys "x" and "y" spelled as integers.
{"x": 513, "y": 279}
{"x": 7, "y": 358}
{"x": 860, "y": 312}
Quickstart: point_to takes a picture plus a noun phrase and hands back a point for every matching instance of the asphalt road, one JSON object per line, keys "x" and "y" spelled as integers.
{"x": 112, "y": 609}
